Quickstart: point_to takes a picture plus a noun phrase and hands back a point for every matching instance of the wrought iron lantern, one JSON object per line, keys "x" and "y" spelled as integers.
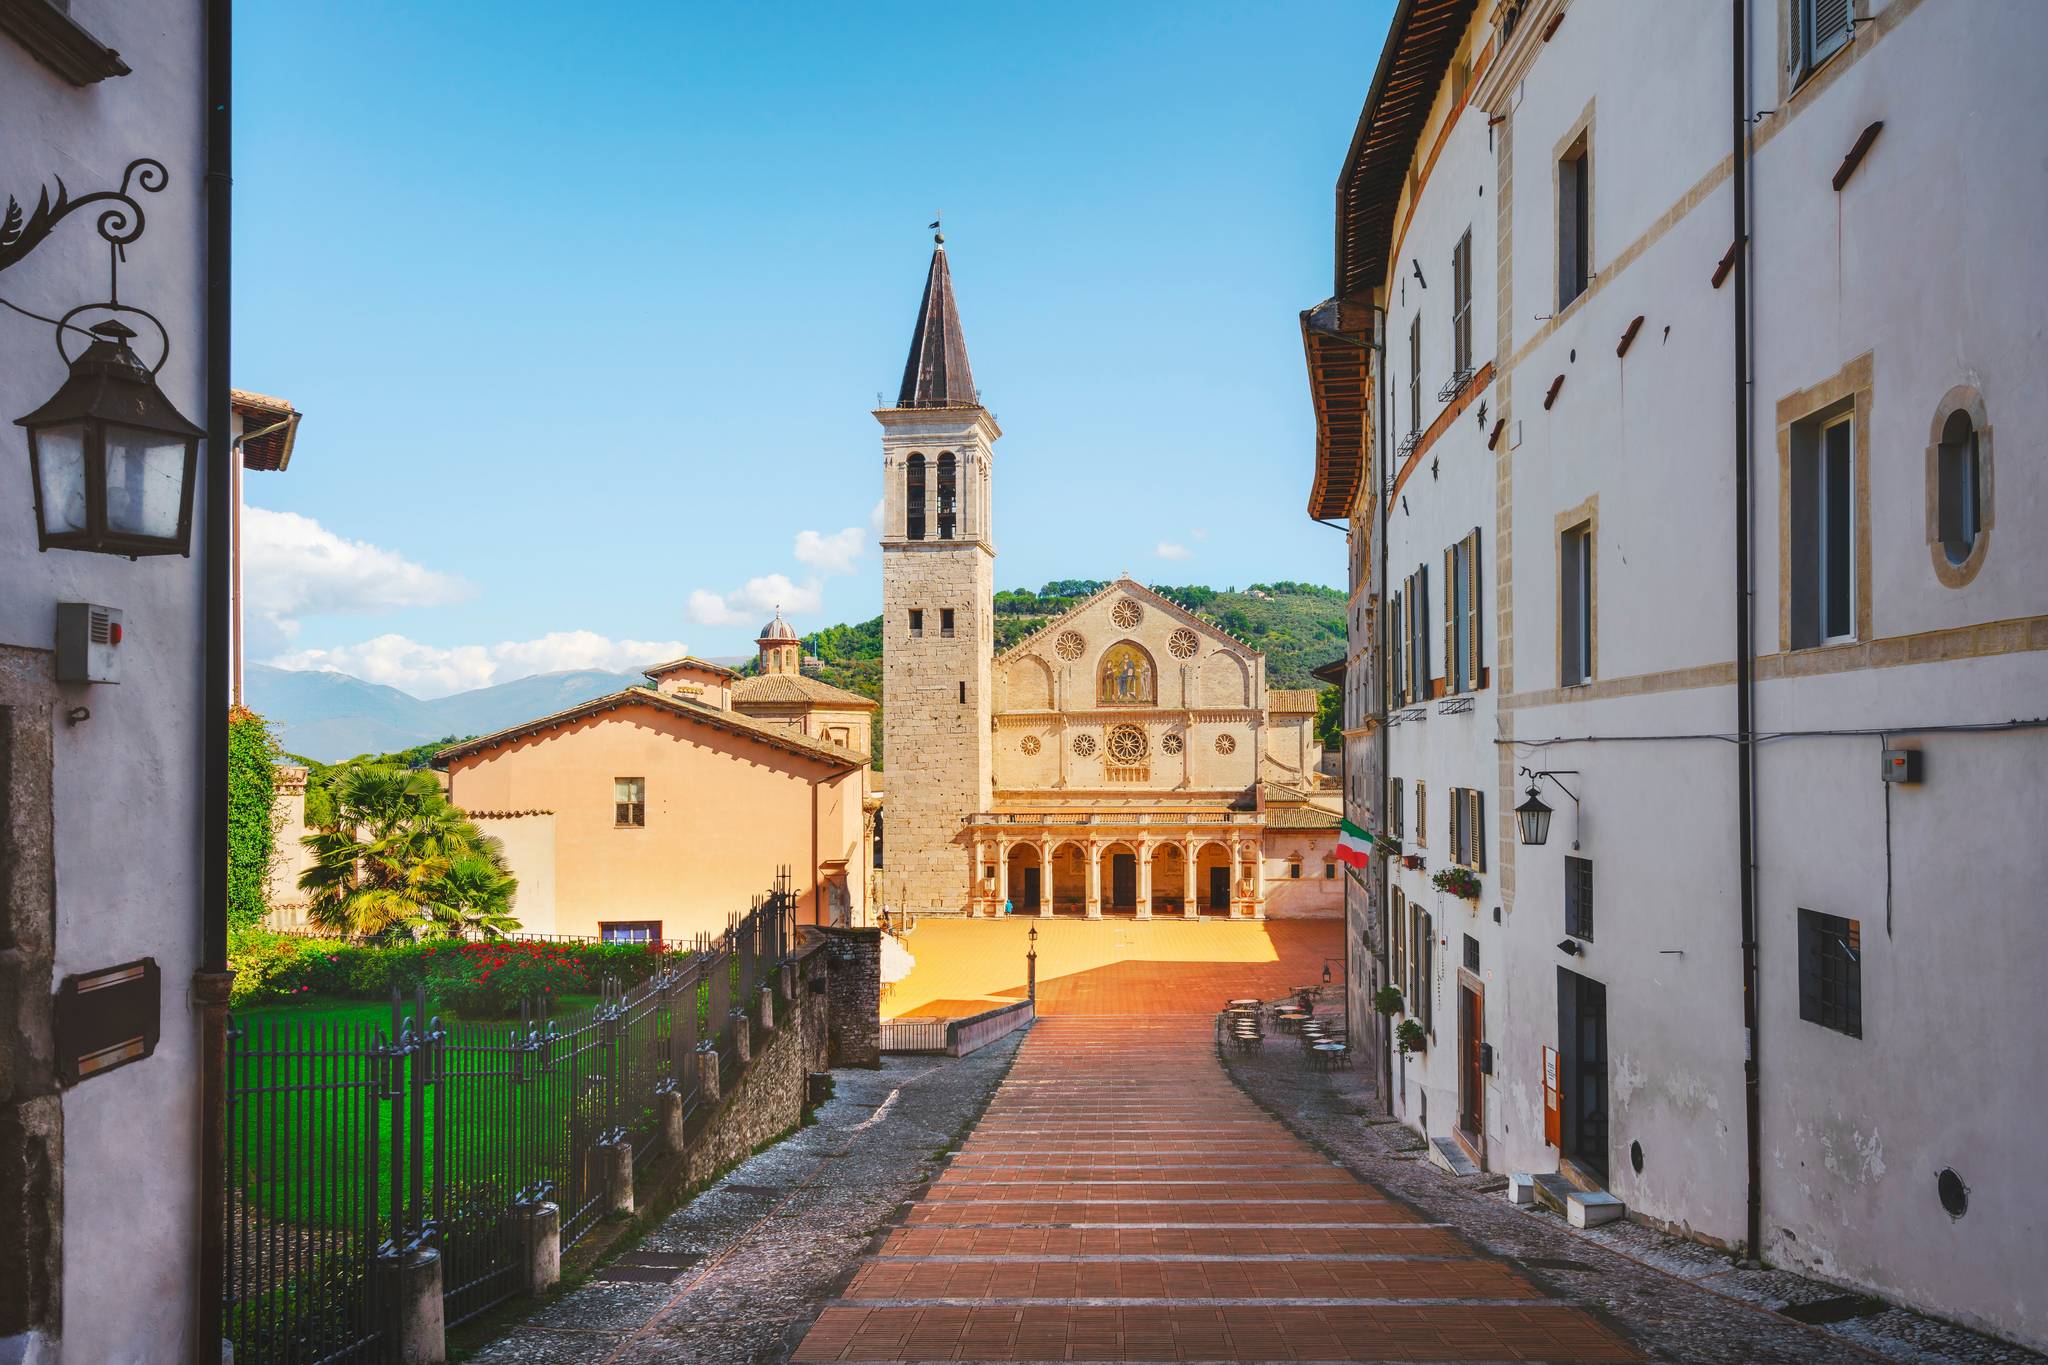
{"x": 112, "y": 460}
{"x": 1533, "y": 815}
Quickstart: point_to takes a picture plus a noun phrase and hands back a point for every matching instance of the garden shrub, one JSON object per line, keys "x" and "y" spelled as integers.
{"x": 252, "y": 824}
{"x": 485, "y": 979}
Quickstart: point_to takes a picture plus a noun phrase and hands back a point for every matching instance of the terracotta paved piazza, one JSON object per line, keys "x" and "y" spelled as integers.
{"x": 1121, "y": 1200}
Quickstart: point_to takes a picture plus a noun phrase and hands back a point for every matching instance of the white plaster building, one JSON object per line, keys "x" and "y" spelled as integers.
{"x": 104, "y": 787}
{"x": 1592, "y": 387}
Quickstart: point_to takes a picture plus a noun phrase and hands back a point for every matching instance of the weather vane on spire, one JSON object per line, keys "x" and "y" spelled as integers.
{"x": 938, "y": 236}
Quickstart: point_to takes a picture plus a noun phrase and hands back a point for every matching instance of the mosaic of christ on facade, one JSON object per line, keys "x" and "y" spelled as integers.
{"x": 1128, "y": 677}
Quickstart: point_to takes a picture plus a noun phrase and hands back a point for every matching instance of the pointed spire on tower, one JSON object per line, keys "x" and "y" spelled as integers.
{"x": 936, "y": 374}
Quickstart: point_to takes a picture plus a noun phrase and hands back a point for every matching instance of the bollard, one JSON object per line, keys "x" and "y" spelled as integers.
{"x": 669, "y": 1112}
{"x": 422, "y": 1327}
{"x": 742, "y": 1039}
{"x": 707, "y": 1073}
{"x": 767, "y": 1010}
{"x": 618, "y": 1177}
{"x": 540, "y": 1243}
{"x": 788, "y": 975}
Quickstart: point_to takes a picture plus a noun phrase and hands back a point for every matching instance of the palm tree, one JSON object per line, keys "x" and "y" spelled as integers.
{"x": 382, "y": 863}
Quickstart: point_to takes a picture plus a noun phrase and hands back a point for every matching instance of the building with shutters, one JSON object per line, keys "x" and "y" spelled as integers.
{"x": 1127, "y": 759}
{"x": 1658, "y": 386}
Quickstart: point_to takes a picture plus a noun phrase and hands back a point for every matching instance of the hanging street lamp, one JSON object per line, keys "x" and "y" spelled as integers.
{"x": 112, "y": 460}
{"x": 1533, "y": 815}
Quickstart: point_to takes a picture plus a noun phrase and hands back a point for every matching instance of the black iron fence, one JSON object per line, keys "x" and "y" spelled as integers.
{"x": 353, "y": 1146}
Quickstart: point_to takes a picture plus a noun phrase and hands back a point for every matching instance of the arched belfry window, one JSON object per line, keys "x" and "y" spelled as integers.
{"x": 913, "y": 497}
{"x": 1956, "y": 496}
{"x": 949, "y": 502}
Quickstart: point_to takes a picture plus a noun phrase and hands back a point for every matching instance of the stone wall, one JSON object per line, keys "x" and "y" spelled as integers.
{"x": 766, "y": 1100}
{"x": 854, "y": 993}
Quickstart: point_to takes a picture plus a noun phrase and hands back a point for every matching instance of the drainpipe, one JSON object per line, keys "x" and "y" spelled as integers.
{"x": 210, "y": 982}
{"x": 1745, "y": 663}
{"x": 1382, "y": 875}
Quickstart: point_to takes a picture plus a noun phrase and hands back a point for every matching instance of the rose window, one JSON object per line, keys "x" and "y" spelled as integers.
{"x": 1069, "y": 645}
{"x": 1084, "y": 745}
{"x": 1127, "y": 745}
{"x": 1126, "y": 614}
{"x": 1030, "y": 745}
{"x": 1171, "y": 744}
{"x": 1226, "y": 744}
{"x": 1182, "y": 643}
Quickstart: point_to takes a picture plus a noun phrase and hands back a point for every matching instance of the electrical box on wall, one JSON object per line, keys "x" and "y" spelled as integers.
{"x": 1902, "y": 765}
{"x": 88, "y": 643}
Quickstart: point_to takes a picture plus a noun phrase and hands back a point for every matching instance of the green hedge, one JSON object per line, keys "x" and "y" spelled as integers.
{"x": 483, "y": 979}
{"x": 252, "y": 828}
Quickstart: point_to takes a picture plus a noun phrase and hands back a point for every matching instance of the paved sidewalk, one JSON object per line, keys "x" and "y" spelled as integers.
{"x": 737, "y": 1274}
{"x": 1122, "y": 1200}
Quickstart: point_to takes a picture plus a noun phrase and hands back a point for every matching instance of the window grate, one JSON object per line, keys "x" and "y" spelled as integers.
{"x": 1831, "y": 972}
{"x": 1578, "y": 897}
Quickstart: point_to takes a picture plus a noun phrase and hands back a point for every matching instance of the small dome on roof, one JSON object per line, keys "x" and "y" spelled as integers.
{"x": 778, "y": 629}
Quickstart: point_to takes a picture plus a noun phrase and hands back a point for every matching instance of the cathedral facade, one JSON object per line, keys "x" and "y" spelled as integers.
{"x": 1128, "y": 758}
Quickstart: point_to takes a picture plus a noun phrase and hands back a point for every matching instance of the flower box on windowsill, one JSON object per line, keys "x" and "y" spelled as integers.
{"x": 1461, "y": 882}
{"x": 1412, "y": 861}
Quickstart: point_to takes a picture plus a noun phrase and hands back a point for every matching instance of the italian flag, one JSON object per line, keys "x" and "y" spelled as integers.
{"x": 1354, "y": 845}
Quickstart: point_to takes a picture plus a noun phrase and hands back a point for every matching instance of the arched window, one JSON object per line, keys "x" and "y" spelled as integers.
{"x": 913, "y": 497}
{"x": 1958, "y": 509}
{"x": 949, "y": 507}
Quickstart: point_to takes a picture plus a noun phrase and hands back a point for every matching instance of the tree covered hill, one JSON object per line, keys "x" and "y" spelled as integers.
{"x": 1299, "y": 626}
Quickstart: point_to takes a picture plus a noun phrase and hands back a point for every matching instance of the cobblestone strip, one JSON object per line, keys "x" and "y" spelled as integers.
{"x": 768, "y": 1244}
{"x": 1121, "y": 1200}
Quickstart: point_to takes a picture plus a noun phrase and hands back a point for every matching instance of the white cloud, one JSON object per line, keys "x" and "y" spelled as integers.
{"x": 1166, "y": 549}
{"x": 293, "y": 567}
{"x": 1200, "y": 533}
{"x": 831, "y": 554}
{"x": 875, "y": 518}
{"x": 434, "y": 671}
{"x": 760, "y": 596}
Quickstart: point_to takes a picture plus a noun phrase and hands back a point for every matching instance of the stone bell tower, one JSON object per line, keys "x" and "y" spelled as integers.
{"x": 938, "y": 596}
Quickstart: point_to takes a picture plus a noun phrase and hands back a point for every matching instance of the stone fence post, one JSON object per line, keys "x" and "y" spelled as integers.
{"x": 540, "y": 1241}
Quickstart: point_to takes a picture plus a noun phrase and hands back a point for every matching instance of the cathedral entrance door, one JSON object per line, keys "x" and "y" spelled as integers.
{"x": 1123, "y": 881}
{"x": 1219, "y": 890}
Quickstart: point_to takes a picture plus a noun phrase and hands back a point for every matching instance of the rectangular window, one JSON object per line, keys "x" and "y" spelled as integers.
{"x": 1575, "y": 605}
{"x": 1294, "y": 872}
{"x": 963, "y": 692}
{"x": 1417, "y": 626}
{"x": 629, "y": 931}
{"x": 1831, "y": 972}
{"x": 1428, "y": 972}
{"x": 1329, "y": 872}
{"x": 1574, "y": 213}
{"x": 1415, "y": 374}
{"x": 1461, "y": 306}
{"x": 945, "y": 623}
{"x": 1397, "y": 657}
{"x": 1421, "y": 813}
{"x": 1578, "y": 897}
{"x": 1397, "y": 940}
{"x": 1820, "y": 28}
{"x": 1468, "y": 828}
{"x": 1471, "y": 954}
{"x": 1462, "y": 593}
{"x": 629, "y": 802}
{"x": 916, "y": 624}
{"x": 1823, "y": 529}
{"x": 1397, "y": 810}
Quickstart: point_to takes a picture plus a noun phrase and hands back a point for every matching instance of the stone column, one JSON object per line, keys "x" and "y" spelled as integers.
{"x": 1045, "y": 880}
{"x": 1190, "y": 888}
{"x": 1144, "y": 879}
{"x": 422, "y": 1322}
{"x": 1094, "y": 879}
{"x": 1002, "y": 874}
{"x": 1258, "y": 854}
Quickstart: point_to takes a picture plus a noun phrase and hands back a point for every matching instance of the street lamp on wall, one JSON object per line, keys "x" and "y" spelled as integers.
{"x": 112, "y": 460}
{"x": 1532, "y": 817}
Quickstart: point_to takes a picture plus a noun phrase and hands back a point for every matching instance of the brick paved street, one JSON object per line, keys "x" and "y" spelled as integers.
{"x": 1122, "y": 1200}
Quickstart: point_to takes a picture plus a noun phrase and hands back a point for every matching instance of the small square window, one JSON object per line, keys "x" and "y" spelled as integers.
{"x": 1294, "y": 871}
{"x": 629, "y": 802}
{"x": 1831, "y": 972}
{"x": 629, "y": 931}
{"x": 1329, "y": 872}
{"x": 916, "y": 623}
{"x": 945, "y": 623}
{"x": 1471, "y": 954}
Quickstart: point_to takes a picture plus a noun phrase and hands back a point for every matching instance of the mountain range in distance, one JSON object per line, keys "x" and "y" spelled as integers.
{"x": 332, "y": 716}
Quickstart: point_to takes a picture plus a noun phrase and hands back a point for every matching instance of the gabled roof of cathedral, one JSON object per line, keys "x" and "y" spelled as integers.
{"x": 1126, "y": 583}
{"x": 937, "y": 375}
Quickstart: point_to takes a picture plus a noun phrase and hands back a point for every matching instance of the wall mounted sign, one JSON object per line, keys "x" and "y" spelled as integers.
{"x": 107, "y": 1019}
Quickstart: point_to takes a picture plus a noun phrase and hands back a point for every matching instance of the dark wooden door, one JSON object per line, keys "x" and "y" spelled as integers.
{"x": 1219, "y": 889}
{"x": 1471, "y": 1078}
{"x": 1027, "y": 898}
{"x": 1123, "y": 879}
{"x": 1582, "y": 1041}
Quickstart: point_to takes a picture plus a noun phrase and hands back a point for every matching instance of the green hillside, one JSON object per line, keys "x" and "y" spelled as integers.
{"x": 1298, "y": 625}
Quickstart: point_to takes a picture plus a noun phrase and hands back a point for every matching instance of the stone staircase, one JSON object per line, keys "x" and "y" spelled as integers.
{"x": 1580, "y": 1206}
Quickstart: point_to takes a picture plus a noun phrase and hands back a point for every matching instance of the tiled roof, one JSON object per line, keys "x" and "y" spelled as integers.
{"x": 796, "y": 689}
{"x": 687, "y": 661}
{"x": 1293, "y": 701}
{"x": 1300, "y": 817}
{"x": 258, "y": 411}
{"x": 775, "y": 736}
{"x": 936, "y": 375}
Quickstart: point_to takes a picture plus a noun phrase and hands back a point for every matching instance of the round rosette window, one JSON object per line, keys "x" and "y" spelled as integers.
{"x": 1126, "y": 613}
{"x": 1127, "y": 746}
{"x": 1171, "y": 744}
{"x": 1182, "y": 643}
{"x": 1226, "y": 744}
{"x": 1030, "y": 744}
{"x": 1069, "y": 645}
{"x": 1084, "y": 745}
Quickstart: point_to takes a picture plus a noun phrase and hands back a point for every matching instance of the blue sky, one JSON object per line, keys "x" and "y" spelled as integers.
{"x": 586, "y": 306}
